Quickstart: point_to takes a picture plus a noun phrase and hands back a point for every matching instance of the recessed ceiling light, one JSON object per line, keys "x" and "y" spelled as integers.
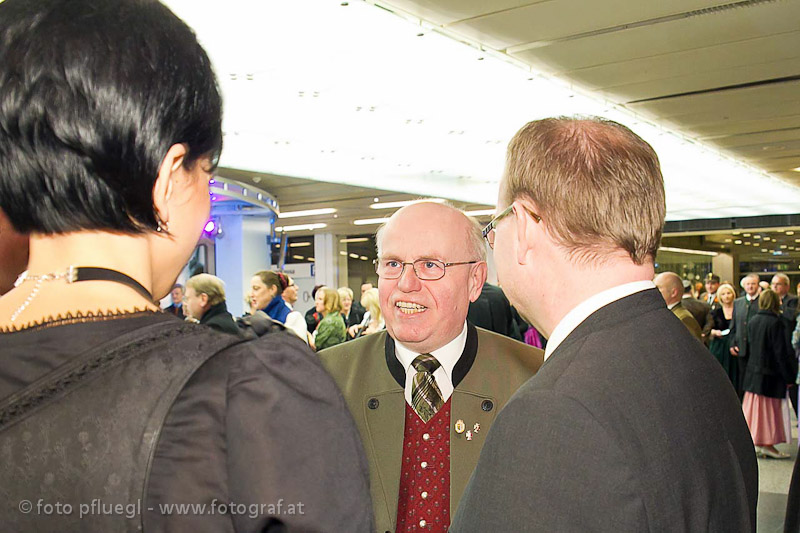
{"x": 354, "y": 256}
{"x": 728, "y": 240}
{"x": 480, "y": 213}
{"x": 308, "y": 213}
{"x": 686, "y": 251}
{"x": 737, "y": 241}
{"x": 756, "y": 236}
{"x": 299, "y": 244}
{"x": 369, "y": 221}
{"x": 783, "y": 246}
{"x": 363, "y": 257}
{"x": 796, "y": 169}
{"x": 392, "y": 205}
{"x": 355, "y": 239}
{"x": 789, "y": 233}
{"x": 342, "y": 253}
{"x": 764, "y": 250}
{"x": 301, "y": 227}
{"x": 311, "y": 259}
{"x": 737, "y": 232}
{"x": 745, "y": 234}
{"x": 298, "y": 257}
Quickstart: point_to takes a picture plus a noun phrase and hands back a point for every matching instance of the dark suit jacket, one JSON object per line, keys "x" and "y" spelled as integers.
{"x": 701, "y": 312}
{"x": 630, "y": 425}
{"x": 372, "y": 380}
{"x": 493, "y": 312}
{"x": 771, "y": 363}
{"x": 175, "y": 310}
{"x": 743, "y": 311}
{"x": 217, "y": 317}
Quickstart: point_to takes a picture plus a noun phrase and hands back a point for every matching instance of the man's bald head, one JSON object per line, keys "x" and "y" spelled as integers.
{"x": 455, "y": 219}
{"x": 671, "y": 287}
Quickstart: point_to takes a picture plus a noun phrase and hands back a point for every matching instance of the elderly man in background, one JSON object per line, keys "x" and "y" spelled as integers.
{"x": 205, "y": 302}
{"x": 425, "y": 391}
{"x": 671, "y": 288}
{"x": 176, "y": 307}
{"x": 744, "y": 309}
{"x": 616, "y": 431}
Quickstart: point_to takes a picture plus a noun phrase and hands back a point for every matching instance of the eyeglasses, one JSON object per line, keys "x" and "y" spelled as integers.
{"x": 488, "y": 231}
{"x": 425, "y": 269}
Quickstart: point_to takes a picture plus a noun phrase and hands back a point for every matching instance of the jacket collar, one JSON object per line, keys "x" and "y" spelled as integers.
{"x": 459, "y": 371}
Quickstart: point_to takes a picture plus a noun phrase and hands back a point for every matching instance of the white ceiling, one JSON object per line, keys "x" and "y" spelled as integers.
{"x": 357, "y": 95}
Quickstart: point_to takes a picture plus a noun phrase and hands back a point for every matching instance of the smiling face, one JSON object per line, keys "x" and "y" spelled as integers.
{"x": 425, "y": 315}
{"x": 260, "y": 293}
{"x": 726, "y": 296}
{"x": 290, "y": 293}
{"x": 780, "y": 285}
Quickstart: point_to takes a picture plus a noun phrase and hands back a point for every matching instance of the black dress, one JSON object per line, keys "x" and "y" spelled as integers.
{"x": 260, "y": 421}
{"x": 721, "y": 346}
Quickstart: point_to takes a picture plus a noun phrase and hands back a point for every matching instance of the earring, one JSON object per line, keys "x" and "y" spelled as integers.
{"x": 163, "y": 227}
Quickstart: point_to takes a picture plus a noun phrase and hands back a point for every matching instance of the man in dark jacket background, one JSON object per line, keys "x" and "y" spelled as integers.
{"x": 205, "y": 302}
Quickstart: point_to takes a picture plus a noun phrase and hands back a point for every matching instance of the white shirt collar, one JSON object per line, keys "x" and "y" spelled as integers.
{"x": 750, "y": 298}
{"x": 448, "y": 355}
{"x": 583, "y": 310}
{"x": 672, "y": 306}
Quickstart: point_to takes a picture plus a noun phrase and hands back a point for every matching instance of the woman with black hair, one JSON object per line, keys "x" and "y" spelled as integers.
{"x": 110, "y": 128}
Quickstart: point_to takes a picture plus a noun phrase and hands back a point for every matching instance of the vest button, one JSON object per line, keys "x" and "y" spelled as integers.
{"x": 426, "y": 436}
{"x": 422, "y": 523}
{"x": 487, "y": 405}
{"x": 373, "y": 403}
{"x": 423, "y": 464}
{"x": 424, "y": 495}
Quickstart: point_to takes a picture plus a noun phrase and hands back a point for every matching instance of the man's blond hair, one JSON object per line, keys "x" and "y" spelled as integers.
{"x": 209, "y": 285}
{"x": 596, "y": 184}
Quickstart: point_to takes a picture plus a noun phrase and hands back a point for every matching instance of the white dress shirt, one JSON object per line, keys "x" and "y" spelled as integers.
{"x": 582, "y": 311}
{"x": 448, "y": 355}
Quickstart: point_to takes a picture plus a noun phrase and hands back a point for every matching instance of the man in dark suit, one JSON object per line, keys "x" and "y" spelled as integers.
{"x": 616, "y": 432}
{"x": 176, "y": 307}
{"x": 780, "y": 284}
{"x": 205, "y": 302}
{"x": 425, "y": 392}
{"x": 744, "y": 308}
{"x": 700, "y": 310}
{"x": 493, "y": 312}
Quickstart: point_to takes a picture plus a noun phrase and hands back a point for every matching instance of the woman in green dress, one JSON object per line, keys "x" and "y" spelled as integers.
{"x": 331, "y": 330}
{"x": 720, "y": 334}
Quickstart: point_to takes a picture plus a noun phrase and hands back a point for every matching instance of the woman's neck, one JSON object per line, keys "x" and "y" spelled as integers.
{"x": 51, "y": 254}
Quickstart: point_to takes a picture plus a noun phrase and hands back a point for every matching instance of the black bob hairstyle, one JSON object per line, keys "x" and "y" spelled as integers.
{"x": 93, "y": 93}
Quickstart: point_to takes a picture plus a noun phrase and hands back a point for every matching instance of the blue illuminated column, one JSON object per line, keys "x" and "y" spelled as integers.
{"x": 241, "y": 251}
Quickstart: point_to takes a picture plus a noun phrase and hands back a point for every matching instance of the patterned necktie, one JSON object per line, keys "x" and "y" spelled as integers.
{"x": 426, "y": 398}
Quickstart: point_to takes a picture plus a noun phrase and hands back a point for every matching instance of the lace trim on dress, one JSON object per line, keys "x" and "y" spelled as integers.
{"x": 76, "y": 318}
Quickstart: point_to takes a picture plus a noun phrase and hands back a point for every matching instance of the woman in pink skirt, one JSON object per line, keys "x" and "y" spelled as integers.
{"x": 770, "y": 366}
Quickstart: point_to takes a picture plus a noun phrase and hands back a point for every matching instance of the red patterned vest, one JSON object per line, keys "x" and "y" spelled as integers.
{"x": 424, "y": 499}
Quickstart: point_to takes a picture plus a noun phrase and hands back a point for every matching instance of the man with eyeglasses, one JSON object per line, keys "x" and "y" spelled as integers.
{"x": 425, "y": 392}
{"x": 630, "y": 424}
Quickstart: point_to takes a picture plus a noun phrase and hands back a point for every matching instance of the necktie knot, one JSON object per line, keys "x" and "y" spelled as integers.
{"x": 425, "y": 363}
{"x": 426, "y": 398}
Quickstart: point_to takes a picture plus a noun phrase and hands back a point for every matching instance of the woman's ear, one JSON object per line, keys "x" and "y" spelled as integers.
{"x": 165, "y": 181}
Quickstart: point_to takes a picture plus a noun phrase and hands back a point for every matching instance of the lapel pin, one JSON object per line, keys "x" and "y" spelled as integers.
{"x": 460, "y": 426}
{"x": 469, "y": 435}
{"x": 476, "y": 428}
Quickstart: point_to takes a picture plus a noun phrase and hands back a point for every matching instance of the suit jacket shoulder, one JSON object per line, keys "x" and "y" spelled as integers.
{"x": 622, "y": 405}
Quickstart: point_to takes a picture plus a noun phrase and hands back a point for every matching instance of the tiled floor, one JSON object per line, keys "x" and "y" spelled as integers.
{"x": 773, "y": 486}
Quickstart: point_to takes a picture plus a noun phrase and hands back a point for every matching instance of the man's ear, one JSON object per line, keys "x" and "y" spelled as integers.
{"x": 162, "y": 189}
{"x": 526, "y": 229}
{"x": 477, "y": 277}
{"x": 203, "y": 299}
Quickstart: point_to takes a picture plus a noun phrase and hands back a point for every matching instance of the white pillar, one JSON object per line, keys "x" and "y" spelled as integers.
{"x": 330, "y": 264}
{"x": 241, "y": 251}
{"x": 724, "y": 266}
